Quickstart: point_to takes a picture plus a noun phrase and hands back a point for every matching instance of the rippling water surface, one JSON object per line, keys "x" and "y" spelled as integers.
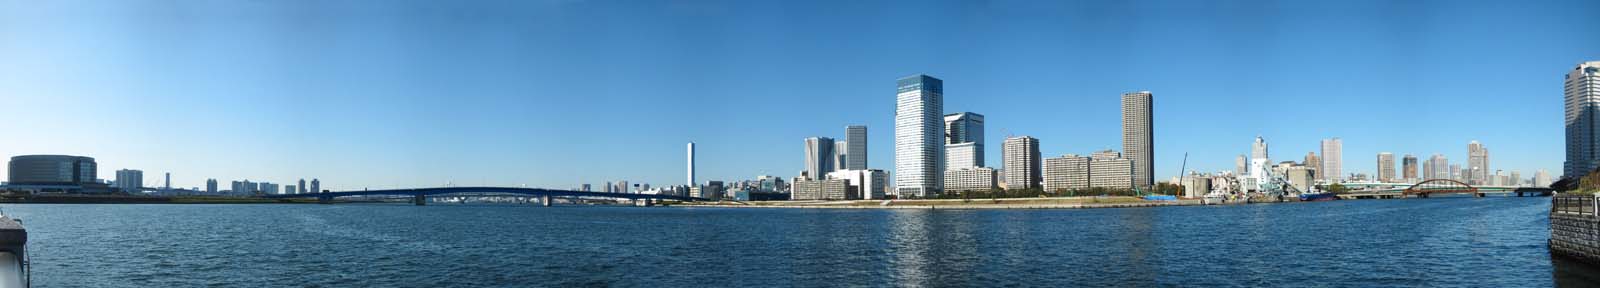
{"x": 1491, "y": 242}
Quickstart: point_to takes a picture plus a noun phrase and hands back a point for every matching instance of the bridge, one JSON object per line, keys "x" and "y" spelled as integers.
{"x": 420, "y": 196}
{"x": 1430, "y": 187}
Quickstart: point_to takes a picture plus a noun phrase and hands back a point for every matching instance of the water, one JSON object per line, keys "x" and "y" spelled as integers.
{"x": 1494, "y": 242}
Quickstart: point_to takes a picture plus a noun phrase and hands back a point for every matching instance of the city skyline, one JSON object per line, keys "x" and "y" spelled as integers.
{"x": 480, "y": 119}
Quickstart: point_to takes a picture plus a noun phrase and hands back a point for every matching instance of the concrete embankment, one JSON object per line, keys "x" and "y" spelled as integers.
{"x": 1575, "y": 228}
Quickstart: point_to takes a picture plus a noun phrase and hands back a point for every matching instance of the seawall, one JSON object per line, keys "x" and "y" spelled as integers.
{"x": 1575, "y": 228}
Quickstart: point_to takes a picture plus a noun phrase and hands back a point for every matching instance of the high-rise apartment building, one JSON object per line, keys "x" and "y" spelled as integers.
{"x": 1477, "y": 164}
{"x": 1440, "y": 167}
{"x": 1137, "y": 137}
{"x": 1022, "y": 161}
{"x": 1582, "y": 104}
{"x": 1386, "y": 167}
{"x": 1332, "y": 160}
{"x": 129, "y": 180}
{"x": 1408, "y": 167}
{"x": 1241, "y": 166}
{"x": 302, "y": 186}
{"x": 316, "y": 185}
{"x": 1541, "y": 178}
{"x": 856, "y": 136}
{"x": 918, "y": 136}
{"x": 1312, "y": 161}
{"x": 211, "y": 186}
{"x": 1107, "y": 169}
{"x": 1066, "y": 173}
{"x": 819, "y": 157}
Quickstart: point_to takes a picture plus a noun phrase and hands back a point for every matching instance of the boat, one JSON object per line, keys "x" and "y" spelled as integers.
{"x": 1324, "y": 196}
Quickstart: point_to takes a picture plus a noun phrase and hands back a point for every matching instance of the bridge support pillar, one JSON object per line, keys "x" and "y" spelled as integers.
{"x": 1477, "y": 195}
{"x": 649, "y": 202}
{"x": 544, "y": 200}
{"x": 419, "y": 200}
{"x": 324, "y": 200}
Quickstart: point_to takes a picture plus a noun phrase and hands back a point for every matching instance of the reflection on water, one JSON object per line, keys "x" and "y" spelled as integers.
{"x": 1488, "y": 242}
{"x": 1569, "y": 273}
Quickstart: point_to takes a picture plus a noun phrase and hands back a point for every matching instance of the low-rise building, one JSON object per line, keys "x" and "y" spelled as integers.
{"x": 970, "y": 179}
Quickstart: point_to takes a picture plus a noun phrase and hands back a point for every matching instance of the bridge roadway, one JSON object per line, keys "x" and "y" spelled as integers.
{"x": 419, "y": 195}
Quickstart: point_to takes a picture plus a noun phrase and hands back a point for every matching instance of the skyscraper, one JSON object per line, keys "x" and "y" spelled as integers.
{"x": 1541, "y": 178}
{"x": 1241, "y": 166}
{"x": 1313, "y": 162}
{"x": 1022, "y": 162}
{"x": 964, "y": 127}
{"x": 1440, "y": 166}
{"x": 840, "y": 155}
{"x": 1386, "y": 167}
{"x": 856, "y": 136}
{"x": 819, "y": 157}
{"x": 1408, "y": 167}
{"x": 1332, "y": 160}
{"x": 690, "y": 180}
{"x": 1477, "y": 163}
{"x": 918, "y": 136}
{"x": 211, "y": 186}
{"x": 1137, "y": 138}
{"x": 316, "y": 185}
{"x": 1582, "y": 104}
{"x": 302, "y": 186}
{"x": 964, "y": 140}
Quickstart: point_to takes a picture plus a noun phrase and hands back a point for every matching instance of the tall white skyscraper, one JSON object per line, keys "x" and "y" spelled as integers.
{"x": 316, "y": 185}
{"x": 1582, "y": 105}
{"x": 918, "y": 136}
{"x": 1386, "y": 167}
{"x": 856, "y": 136}
{"x": 1477, "y": 164}
{"x": 302, "y": 186}
{"x": 1022, "y": 162}
{"x": 1332, "y": 160}
{"x": 1137, "y": 136}
{"x": 819, "y": 157}
{"x": 690, "y": 180}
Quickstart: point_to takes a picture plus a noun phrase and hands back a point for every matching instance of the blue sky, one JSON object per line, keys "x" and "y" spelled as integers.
{"x": 557, "y": 93}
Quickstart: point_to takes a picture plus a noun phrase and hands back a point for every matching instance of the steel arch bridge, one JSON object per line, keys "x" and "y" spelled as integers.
{"x": 1425, "y": 188}
{"x": 420, "y": 194}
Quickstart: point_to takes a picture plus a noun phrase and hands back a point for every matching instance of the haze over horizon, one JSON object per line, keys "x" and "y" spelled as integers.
{"x": 561, "y": 93}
